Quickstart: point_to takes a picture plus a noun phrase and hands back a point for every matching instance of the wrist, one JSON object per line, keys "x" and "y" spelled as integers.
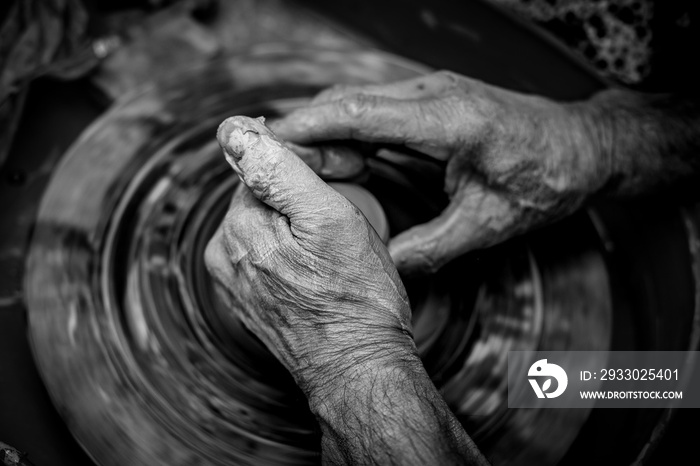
{"x": 630, "y": 139}
{"x": 357, "y": 366}
{"x": 370, "y": 386}
{"x": 592, "y": 143}
{"x": 387, "y": 410}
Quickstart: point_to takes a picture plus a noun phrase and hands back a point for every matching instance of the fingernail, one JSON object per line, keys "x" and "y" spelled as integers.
{"x": 234, "y": 136}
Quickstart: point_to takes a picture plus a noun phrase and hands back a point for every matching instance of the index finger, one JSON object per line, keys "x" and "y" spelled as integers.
{"x": 368, "y": 118}
{"x": 419, "y": 87}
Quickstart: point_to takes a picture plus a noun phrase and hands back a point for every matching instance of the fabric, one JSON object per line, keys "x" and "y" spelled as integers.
{"x": 39, "y": 37}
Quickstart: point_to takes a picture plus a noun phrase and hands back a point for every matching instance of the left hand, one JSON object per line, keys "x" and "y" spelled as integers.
{"x": 514, "y": 162}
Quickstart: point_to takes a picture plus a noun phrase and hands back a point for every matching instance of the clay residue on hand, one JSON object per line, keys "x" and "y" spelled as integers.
{"x": 238, "y": 132}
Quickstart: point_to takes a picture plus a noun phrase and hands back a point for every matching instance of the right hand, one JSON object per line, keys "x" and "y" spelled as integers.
{"x": 514, "y": 161}
{"x": 300, "y": 266}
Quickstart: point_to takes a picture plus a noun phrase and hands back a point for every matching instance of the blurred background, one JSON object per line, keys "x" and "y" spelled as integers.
{"x": 113, "y": 347}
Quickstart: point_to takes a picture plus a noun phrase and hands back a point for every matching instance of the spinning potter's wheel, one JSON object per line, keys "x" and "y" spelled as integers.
{"x": 146, "y": 367}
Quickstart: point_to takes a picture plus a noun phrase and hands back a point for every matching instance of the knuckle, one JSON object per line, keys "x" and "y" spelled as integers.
{"x": 331, "y": 93}
{"x": 344, "y": 211}
{"x": 357, "y": 106}
{"x": 351, "y": 218}
{"x": 449, "y": 78}
{"x": 334, "y": 224}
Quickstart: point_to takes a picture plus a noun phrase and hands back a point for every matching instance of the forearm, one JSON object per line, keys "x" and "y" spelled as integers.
{"x": 647, "y": 140}
{"x": 387, "y": 411}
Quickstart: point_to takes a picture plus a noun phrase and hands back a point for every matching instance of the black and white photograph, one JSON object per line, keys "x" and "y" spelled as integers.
{"x": 387, "y": 232}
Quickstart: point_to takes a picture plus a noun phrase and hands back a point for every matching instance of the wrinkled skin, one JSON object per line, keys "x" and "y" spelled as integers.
{"x": 304, "y": 271}
{"x": 514, "y": 162}
{"x": 301, "y": 267}
{"x": 313, "y": 277}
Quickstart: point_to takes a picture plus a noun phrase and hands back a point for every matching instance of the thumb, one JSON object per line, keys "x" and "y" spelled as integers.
{"x": 476, "y": 218}
{"x": 275, "y": 174}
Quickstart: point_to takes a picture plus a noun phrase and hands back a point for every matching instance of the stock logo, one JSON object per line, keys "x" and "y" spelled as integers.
{"x": 541, "y": 370}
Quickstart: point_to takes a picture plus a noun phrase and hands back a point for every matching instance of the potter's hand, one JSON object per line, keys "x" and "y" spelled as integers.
{"x": 513, "y": 161}
{"x": 303, "y": 268}
{"x": 304, "y": 271}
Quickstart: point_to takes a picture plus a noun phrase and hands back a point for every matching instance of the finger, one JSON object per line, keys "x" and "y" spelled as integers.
{"x": 216, "y": 258}
{"x": 246, "y": 218}
{"x": 476, "y": 218}
{"x": 251, "y": 231}
{"x": 275, "y": 175}
{"x": 415, "y": 88}
{"x": 330, "y": 162}
{"x": 372, "y": 119}
{"x": 421, "y": 87}
{"x": 227, "y": 246}
{"x": 245, "y": 243}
